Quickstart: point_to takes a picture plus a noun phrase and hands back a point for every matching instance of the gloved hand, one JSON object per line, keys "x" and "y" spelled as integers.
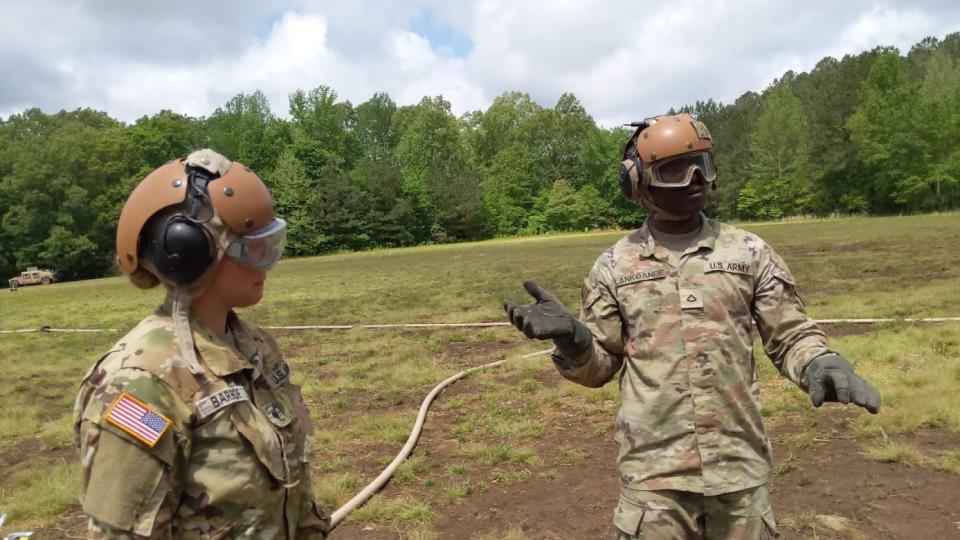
{"x": 831, "y": 378}
{"x": 548, "y": 319}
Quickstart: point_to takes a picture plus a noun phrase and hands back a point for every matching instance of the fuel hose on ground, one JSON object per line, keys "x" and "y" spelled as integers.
{"x": 428, "y": 326}
{"x": 384, "y": 476}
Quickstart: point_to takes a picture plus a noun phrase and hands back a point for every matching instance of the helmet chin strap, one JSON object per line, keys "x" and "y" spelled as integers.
{"x": 181, "y": 324}
{"x": 655, "y": 211}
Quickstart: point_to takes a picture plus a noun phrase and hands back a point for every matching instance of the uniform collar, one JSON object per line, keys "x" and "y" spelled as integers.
{"x": 648, "y": 247}
{"x": 219, "y": 357}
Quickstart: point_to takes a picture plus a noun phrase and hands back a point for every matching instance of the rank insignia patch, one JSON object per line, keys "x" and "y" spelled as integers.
{"x": 138, "y": 419}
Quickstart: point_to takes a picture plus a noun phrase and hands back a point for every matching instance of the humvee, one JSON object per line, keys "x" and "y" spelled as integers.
{"x": 33, "y": 276}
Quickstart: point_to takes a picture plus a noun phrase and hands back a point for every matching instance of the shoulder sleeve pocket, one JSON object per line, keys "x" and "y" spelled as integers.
{"x": 781, "y": 271}
{"x": 124, "y": 487}
{"x": 588, "y": 297}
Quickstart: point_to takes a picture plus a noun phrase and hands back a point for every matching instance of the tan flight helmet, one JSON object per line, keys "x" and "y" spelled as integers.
{"x": 184, "y": 217}
{"x": 665, "y": 151}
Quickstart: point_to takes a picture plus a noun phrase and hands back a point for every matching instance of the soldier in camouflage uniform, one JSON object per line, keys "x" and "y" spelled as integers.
{"x": 671, "y": 308}
{"x": 189, "y": 427}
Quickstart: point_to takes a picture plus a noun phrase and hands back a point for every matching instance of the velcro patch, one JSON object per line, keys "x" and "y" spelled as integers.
{"x": 276, "y": 416}
{"x": 641, "y": 276}
{"x": 691, "y": 299}
{"x": 138, "y": 419}
{"x": 701, "y": 129}
{"x": 279, "y": 375}
{"x": 223, "y": 398}
{"x": 732, "y": 267}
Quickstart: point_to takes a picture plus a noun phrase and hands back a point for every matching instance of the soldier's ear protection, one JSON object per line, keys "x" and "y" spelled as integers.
{"x": 183, "y": 250}
{"x": 631, "y": 169}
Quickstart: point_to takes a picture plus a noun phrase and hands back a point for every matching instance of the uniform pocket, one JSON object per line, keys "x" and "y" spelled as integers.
{"x": 257, "y": 430}
{"x": 627, "y": 518}
{"x": 300, "y": 408}
{"x": 314, "y": 523}
{"x": 588, "y": 297}
{"x": 638, "y": 300}
{"x": 321, "y": 514}
{"x": 727, "y": 297}
{"x": 125, "y": 485}
{"x": 770, "y": 526}
{"x": 641, "y": 305}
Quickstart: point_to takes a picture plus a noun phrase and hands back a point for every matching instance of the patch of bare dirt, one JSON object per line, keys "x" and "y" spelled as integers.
{"x": 837, "y": 330}
{"x": 570, "y": 499}
{"x": 475, "y": 349}
{"x": 71, "y": 525}
{"x": 29, "y": 449}
{"x": 880, "y": 500}
{"x": 798, "y": 250}
{"x": 576, "y": 499}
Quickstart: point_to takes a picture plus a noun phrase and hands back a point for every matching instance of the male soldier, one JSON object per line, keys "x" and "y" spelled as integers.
{"x": 674, "y": 305}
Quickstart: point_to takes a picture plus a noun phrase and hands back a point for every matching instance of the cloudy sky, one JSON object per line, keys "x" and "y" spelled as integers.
{"x": 624, "y": 61}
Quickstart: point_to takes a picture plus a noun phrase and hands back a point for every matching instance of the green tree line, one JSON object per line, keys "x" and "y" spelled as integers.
{"x": 877, "y": 132}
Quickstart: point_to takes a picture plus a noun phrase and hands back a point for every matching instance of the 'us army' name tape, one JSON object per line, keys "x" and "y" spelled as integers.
{"x": 470, "y": 325}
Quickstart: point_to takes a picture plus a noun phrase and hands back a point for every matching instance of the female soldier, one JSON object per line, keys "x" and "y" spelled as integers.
{"x": 189, "y": 426}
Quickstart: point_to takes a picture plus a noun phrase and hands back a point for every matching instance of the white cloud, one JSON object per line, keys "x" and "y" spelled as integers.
{"x": 883, "y": 25}
{"x": 622, "y": 59}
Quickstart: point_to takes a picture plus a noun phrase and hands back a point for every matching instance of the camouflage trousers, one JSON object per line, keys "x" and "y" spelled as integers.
{"x": 675, "y": 515}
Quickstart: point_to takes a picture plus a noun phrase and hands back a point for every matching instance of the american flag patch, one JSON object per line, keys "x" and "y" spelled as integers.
{"x": 138, "y": 419}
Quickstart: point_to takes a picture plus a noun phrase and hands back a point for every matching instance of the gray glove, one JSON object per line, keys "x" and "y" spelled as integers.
{"x": 831, "y": 378}
{"x": 548, "y": 319}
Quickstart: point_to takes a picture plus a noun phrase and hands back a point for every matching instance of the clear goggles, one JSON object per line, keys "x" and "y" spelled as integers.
{"x": 678, "y": 172}
{"x": 261, "y": 248}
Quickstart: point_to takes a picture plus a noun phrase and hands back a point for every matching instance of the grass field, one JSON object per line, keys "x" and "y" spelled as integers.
{"x": 518, "y": 425}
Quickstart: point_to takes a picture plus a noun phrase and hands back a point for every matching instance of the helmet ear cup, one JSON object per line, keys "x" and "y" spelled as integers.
{"x": 625, "y": 184}
{"x": 630, "y": 178}
{"x": 183, "y": 250}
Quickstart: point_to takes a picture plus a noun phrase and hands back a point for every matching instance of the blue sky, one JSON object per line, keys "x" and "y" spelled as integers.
{"x": 443, "y": 37}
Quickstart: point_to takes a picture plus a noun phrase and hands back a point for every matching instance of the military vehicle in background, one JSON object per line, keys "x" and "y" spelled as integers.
{"x": 33, "y": 276}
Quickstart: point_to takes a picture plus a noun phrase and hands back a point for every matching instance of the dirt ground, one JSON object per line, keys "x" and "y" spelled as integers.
{"x": 829, "y": 490}
{"x": 576, "y": 500}
{"x": 881, "y": 500}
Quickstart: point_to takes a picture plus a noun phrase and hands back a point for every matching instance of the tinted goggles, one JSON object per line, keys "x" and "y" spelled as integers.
{"x": 678, "y": 172}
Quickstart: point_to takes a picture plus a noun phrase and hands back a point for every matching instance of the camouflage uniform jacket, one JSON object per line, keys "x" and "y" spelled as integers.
{"x": 690, "y": 416}
{"x": 231, "y": 461}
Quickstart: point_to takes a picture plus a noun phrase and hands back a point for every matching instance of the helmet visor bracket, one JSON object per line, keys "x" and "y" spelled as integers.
{"x": 261, "y": 248}
{"x": 677, "y": 172}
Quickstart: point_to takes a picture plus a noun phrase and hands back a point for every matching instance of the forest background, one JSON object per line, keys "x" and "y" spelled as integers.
{"x": 872, "y": 133}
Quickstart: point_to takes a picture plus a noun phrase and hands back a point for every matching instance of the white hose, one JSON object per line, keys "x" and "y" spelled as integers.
{"x": 387, "y": 473}
{"x": 464, "y": 325}
{"x": 873, "y": 321}
{"x": 48, "y": 329}
{"x": 373, "y": 487}
{"x": 384, "y": 476}
{"x": 378, "y": 326}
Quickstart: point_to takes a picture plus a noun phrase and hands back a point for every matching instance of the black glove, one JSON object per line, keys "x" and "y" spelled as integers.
{"x": 831, "y": 378}
{"x": 548, "y": 319}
